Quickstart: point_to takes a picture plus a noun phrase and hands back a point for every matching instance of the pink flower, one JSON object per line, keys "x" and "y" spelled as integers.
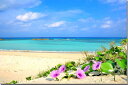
{"x": 96, "y": 65}
{"x": 62, "y": 68}
{"x": 80, "y": 74}
{"x": 55, "y": 73}
{"x": 86, "y": 68}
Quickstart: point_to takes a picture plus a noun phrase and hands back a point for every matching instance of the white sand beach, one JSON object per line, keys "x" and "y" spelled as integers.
{"x": 19, "y": 65}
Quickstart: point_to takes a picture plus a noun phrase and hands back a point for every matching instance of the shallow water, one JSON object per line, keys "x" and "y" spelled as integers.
{"x": 57, "y": 44}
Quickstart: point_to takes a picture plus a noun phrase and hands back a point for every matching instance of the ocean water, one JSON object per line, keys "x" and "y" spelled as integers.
{"x": 57, "y": 44}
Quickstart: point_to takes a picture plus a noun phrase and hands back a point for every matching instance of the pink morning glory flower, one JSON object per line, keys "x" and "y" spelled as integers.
{"x": 55, "y": 73}
{"x": 86, "y": 68}
{"x": 62, "y": 68}
{"x": 96, "y": 65}
{"x": 80, "y": 74}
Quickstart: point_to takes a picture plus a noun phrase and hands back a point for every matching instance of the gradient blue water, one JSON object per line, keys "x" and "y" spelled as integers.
{"x": 57, "y": 44}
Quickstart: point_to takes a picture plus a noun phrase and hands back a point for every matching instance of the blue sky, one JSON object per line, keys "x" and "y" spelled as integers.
{"x": 62, "y": 18}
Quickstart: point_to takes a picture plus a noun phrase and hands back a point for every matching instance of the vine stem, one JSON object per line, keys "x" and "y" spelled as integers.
{"x": 101, "y": 74}
{"x": 114, "y": 76}
{"x": 57, "y": 79}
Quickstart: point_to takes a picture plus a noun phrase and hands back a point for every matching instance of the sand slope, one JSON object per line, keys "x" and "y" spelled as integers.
{"x": 19, "y": 65}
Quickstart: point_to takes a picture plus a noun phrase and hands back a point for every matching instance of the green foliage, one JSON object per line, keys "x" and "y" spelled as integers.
{"x": 46, "y": 73}
{"x": 57, "y": 79}
{"x": 100, "y": 53}
{"x": 98, "y": 58}
{"x": 65, "y": 77}
{"x": 123, "y": 55}
{"x": 58, "y": 66}
{"x": 13, "y": 82}
{"x": 68, "y": 76}
{"x": 29, "y": 78}
{"x": 53, "y": 68}
{"x": 90, "y": 57}
{"x": 124, "y": 41}
{"x": 84, "y": 65}
{"x": 107, "y": 67}
{"x": 122, "y": 63}
{"x": 70, "y": 66}
{"x": 113, "y": 62}
{"x": 39, "y": 75}
{"x": 73, "y": 68}
{"x": 116, "y": 56}
{"x": 43, "y": 74}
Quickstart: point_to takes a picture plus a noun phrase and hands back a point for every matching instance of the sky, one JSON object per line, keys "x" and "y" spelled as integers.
{"x": 62, "y": 18}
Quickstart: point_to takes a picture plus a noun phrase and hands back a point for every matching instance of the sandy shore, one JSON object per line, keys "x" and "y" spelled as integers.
{"x": 19, "y": 65}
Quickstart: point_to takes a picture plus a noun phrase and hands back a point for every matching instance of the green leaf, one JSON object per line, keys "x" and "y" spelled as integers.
{"x": 83, "y": 66}
{"x": 122, "y": 54}
{"x": 53, "y": 69}
{"x": 58, "y": 65}
{"x": 72, "y": 62}
{"x": 71, "y": 75}
{"x": 29, "y": 78}
{"x": 69, "y": 65}
{"x": 65, "y": 77}
{"x": 109, "y": 61}
{"x": 57, "y": 79}
{"x": 117, "y": 49}
{"x": 121, "y": 63}
{"x": 12, "y": 82}
{"x": 73, "y": 68}
{"x": 124, "y": 41}
{"x": 98, "y": 58}
{"x": 100, "y": 53}
{"x": 107, "y": 67}
{"x": 44, "y": 74}
{"x": 87, "y": 72}
{"x": 110, "y": 55}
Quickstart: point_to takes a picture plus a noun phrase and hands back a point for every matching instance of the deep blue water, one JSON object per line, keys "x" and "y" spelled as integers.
{"x": 57, "y": 44}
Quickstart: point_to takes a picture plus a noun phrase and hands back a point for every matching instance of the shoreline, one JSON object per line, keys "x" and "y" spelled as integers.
{"x": 36, "y": 51}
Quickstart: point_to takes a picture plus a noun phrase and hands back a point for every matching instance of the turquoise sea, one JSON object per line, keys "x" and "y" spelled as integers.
{"x": 57, "y": 44}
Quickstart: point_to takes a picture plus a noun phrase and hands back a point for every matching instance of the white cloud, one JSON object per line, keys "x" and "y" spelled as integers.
{"x": 90, "y": 22}
{"x": 116, "y": 4}
{"x": 90, "y": 19}
{"x": 56, "y": 24}
{"x": 14, "y": 4}
{"x": 29, "y": 16}
{"x": 114, "y": 1}
{"x": 107, "y": 24}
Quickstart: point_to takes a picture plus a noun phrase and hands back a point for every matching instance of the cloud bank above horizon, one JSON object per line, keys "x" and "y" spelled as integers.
{"x": 53, "y": 18}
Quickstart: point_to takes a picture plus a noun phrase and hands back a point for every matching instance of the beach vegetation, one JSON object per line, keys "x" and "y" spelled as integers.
{"x": 43, "y": 74}
{"x": 124, "y": 41}
{"x": 13, "y": 82}
{"x": 106, "y": 61}
{"x": 29, "y": 78}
